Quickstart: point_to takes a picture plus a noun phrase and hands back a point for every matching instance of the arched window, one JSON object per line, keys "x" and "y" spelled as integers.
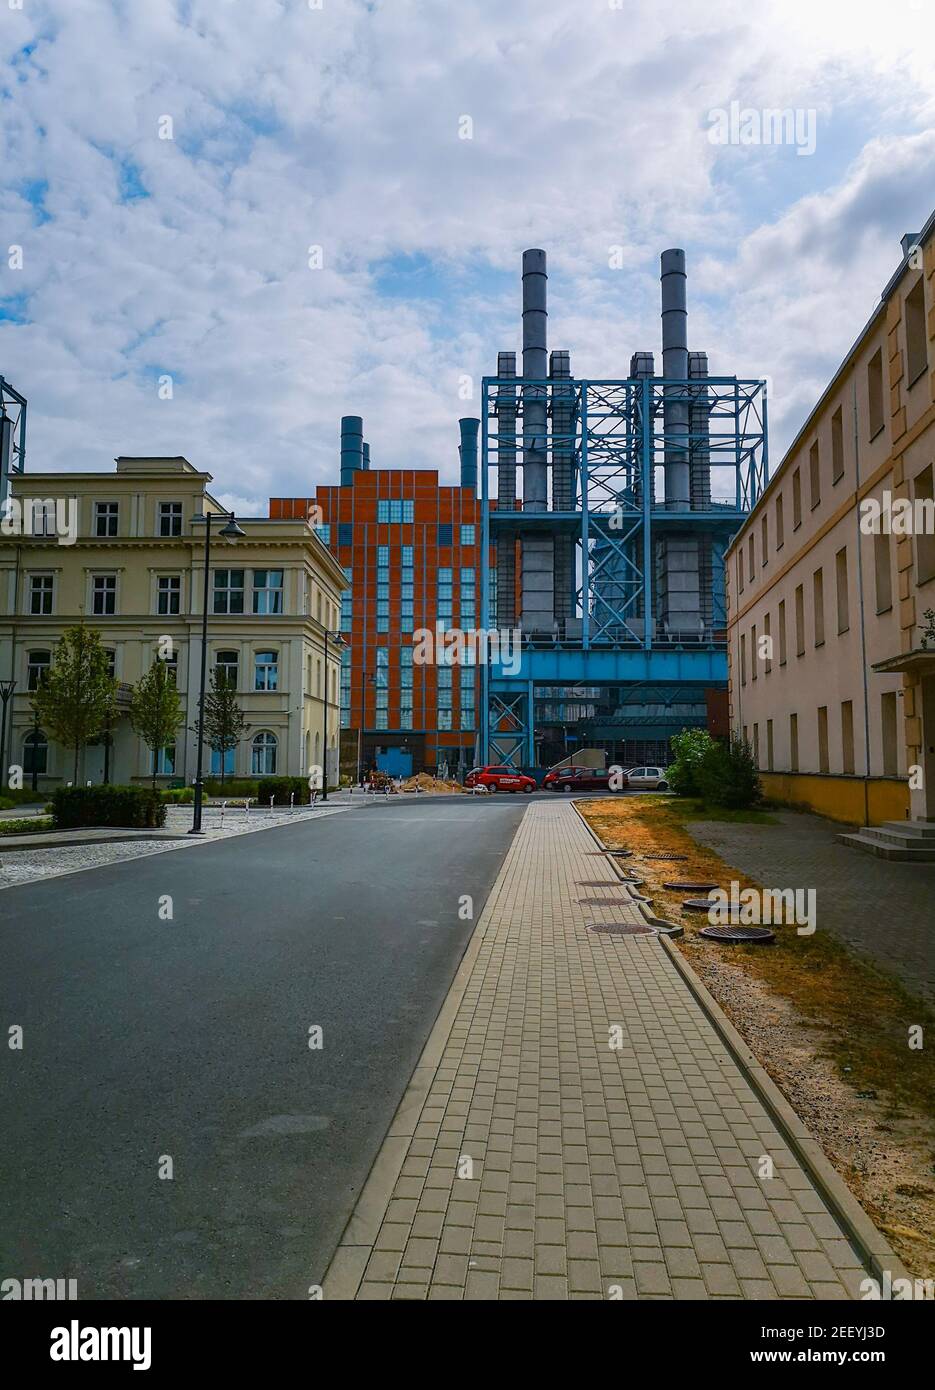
{"x": 35, "y": 753}
{"x": 264, "y": 755}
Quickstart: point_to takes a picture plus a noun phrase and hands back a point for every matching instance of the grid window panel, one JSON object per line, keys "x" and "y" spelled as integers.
{"x": 444, "y": 718}
{"x": 267, "y": 591}
{"x": 467, "y": 718}
{"x": 383, "y": 624}
{"x": 104, "y": 594}
{"x": 170, "y": 518}
{"x": 383, "y": 590}
{"x": 323, "y": 533}
{"x": 406, "y": 620}
{"x": 169, "y": 593}
{"x": 381, "y": 720}
{"x": 407, "y": 556}
{"x": 41, "y": 587}
{"x": 105, "y": 518}
{"x": 383, "y": 555}
{"x": 467, "y": 535}
{"x": 444, "y": 677}
{"x": 345, "y": 533}
{"x": 228, "y": 591}
{"x": 405, "y": 719}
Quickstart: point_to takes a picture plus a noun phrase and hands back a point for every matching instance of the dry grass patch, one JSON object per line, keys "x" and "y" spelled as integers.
{"x": 830, "y": 1028}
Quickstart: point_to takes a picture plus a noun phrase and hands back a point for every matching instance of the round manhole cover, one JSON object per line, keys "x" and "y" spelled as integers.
{"x": 682, "y": 887}
{"x": 669, "y": 858}
{"x": 738, "y": 933}
{"x": 698, "y": 904}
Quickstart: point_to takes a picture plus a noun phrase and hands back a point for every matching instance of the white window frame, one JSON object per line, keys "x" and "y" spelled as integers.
{"x": 47, "y": 588}
{"x": 168, "y": 592}
{"x": 108, "y": 512}
{"x": 166, "y": 513}
{"x": 103, "y": 613}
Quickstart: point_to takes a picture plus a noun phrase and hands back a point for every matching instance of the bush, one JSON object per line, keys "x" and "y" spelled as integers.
{"x": 689, "y": 748}
{"x": 231, "y": 786}
{"x": 133, "y": 807}
{"x": 26, "y": 825}
{"x": 280, "y": 789}
{"x": 727, "y": 776}
{"x": 22, "y": 796}
{"x": 178, "y": 796}
{"x": 6, "y": 804}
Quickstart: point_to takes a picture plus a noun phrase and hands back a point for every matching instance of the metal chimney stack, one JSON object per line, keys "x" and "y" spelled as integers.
{"x": 535, "y": 368}
{"x": 676, "y": 403}
{"x": 352, "y": 447}
{"x": 467, "y": 451}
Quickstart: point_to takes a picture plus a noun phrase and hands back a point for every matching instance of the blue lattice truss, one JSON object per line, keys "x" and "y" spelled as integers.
{"x": 613, "y": 432}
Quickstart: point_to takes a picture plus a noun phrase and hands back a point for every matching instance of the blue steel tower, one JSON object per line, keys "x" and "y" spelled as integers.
{"x": 610, "y": 555}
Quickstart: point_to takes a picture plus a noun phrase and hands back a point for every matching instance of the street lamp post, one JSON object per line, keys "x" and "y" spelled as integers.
{"x": 339, "y": 642}
{"x": 6, "y": 694}
{"x": 230, "y": 533}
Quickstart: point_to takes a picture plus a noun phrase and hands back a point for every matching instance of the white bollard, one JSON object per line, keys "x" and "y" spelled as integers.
{"x": 223, "y": 804}
{"x": 292, "y": 801}
{"x": 270, "y": 812}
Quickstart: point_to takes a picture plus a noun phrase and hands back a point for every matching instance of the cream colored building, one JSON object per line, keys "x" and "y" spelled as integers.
{"x": 839, "y": 700}
{"x": 136, "y": 573}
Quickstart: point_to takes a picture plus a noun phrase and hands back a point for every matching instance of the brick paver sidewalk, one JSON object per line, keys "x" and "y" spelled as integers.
{"x": 587, "y": 1171}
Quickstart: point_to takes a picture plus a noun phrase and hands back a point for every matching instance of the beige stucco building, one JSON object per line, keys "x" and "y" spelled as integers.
{"x": 830, "y": 679}
{"x": 122, "y": 551}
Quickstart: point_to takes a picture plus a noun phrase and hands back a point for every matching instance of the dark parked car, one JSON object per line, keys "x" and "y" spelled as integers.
{"x": 584, "y": 779}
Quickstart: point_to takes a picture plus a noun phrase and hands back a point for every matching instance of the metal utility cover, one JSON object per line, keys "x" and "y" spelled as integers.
{"x": 739, "y": 934}
{"x": 677, "y": 887}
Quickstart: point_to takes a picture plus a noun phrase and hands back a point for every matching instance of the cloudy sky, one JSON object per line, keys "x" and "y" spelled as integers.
{"x": 339, "y": 124}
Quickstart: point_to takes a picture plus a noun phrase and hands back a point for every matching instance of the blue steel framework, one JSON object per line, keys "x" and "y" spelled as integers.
{"x": 12, "y": 435}
{"x": 618, "y": 443}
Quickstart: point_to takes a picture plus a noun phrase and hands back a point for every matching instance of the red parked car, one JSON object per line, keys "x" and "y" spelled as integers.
{"x": 583, "y": 779}
{"x": 500, "y": 779}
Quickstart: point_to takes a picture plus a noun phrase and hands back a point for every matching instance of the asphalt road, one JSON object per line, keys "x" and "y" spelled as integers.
{"x": 150, "y": 1041}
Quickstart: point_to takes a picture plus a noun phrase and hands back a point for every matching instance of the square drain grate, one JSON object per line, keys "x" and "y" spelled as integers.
{"x": 668, "y": 858}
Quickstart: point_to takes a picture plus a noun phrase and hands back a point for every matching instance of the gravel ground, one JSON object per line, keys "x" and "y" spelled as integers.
{"x": 25, "y": 866}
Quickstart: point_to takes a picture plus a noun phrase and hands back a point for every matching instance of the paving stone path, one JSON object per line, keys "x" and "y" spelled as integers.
{"x": 586, "y": 1171}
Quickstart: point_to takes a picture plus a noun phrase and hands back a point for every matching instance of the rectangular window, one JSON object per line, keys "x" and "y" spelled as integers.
{"x": 104, "y": 594}
{"x": 888, "y": 720}
{"x": 769, "y": 745}
{"x": 882, "y": 572}
{"x": 105, "y": 518}
{"x": 814, "y": 475}
{"x": 800, "y": 621}
{"x": 754, "y": 653}
{"x": 793, "y": 743}
{"x": 345, "y": 533}
{"x": 751, "y": 556}
{"x": 170, "y": 518}
{"x": 875, "y": 392}
{"x": 228, "y": 591}
{"x": 847, "y": 737}
{"x": 229, "y": 762}
{"x": 756, "y": 744}
{"x": 743, "y": 658}
{"x": 406, "y": 555}
{"x": 764, "y": 539}
{"x": 916, "y": 355}
{"x": 444, "y": 535}
{"x": 782, "y": 632}
{"x": 165, "y": 760}
{"x": 767, "y": 643}
{"x": 40, "y": 594}
{"x": 925, "y": 533}
{"x": 383, "y": 555}
{"x": 780, "y": 519}
{"x": 740, "y": 578}
{"x": 837, "y": 445}
{"x": 266, "y": 671}
{"x": 840, "y": 577}
{"x": 467, "y": 535}
{"x": 818, "y": 603}
{"x": 267, "y": 591}
{"x": 796, "y": 500}
{"x": 168, "y": 593}
{"x": 37, "y": 664}
{"x": 823, "y": 764}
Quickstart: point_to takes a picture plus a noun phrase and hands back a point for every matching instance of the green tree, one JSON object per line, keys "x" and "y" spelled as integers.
{"x": 156, "y": 710}
{"x": 689, "y": 749}
{"x": 727, "y": 775}
{"x": 78, "y": 696}
{"x": 225, "y": 721}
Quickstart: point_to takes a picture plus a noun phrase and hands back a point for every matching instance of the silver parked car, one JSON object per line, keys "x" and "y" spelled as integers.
{"x": 647, "y": 779}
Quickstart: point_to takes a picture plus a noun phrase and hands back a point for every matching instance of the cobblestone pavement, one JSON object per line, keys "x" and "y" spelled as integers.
{"x": 593, "y": 1172}
{"x": 882, "y": 908}
{"x": 28, "y": 866}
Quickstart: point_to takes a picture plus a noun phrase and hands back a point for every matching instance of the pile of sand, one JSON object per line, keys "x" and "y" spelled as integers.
{"x": 424, "y": 782}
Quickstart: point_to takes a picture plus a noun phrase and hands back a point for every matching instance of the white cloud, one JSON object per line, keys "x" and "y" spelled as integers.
{"x": 340, "y": 127}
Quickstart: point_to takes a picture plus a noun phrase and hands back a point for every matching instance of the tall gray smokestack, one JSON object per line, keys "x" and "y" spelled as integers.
{"x": 352, "y": 447}
{"x": 467, "y": 451}
{"x": 505, "y": 615}
{"x": 676, "y": 402}
{"x": 365, "y": 464}
{"x": 535, "y": 368}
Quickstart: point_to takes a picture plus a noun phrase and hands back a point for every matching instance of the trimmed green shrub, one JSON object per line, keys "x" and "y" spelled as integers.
{"x": 689, "y": 748}
{"x": 22, "y": 796}
{"x": 124, "y": 807}
{"x": 231, "y": 786}
{"x": 727, "y": 776}
{"x": 280, "y": 789}
{"x": 178, "y": 796}
{"x": 6, "y": 804}
{"x": 25, "y": 825}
